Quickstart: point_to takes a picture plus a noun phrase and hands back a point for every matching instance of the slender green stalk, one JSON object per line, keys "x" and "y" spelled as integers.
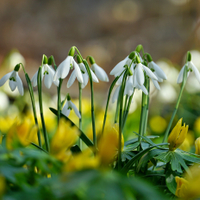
{"x": 121, "y": 97}
{"x": 39, "y": 83}
{"x": 117, "y": 110}
{"x": 92, "y": 102}
{"x": 30, "y": 88}
{"x": 80, "y": 111}
{"x": 177, "y": 103}
{"x": 144, "y": 111}
{"x": 59, "y": 99}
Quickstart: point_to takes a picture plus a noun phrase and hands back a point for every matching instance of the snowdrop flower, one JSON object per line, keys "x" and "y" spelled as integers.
{"x": 84, "y": 74}
{"x": 48, "y": 73}
{"x": 68, "y": 106}
{"x": 99, "y": 72}
{"x": 191, "y": 67}
{"x": 120, "y": 66}
{"x": 14, "y": 80}
{"x": 63, "y": 69}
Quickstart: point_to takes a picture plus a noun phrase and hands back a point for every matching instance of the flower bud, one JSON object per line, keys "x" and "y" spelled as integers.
{"x": 44, "y": 60}
{"x": 50, "y": 60}
{"x": 71, "y": 51}
{"x": 177, "y": 135}
{"x": 91, "y": 59}
{"x": 149, "y": 58}
{"x": 17, "y": 67}
{"x": 132, "y": 55}
{"x": 79, "y": 60}
{"x": 197, "y": 146}
{"x": 138, "y": 59}
{"x": 139, "y": 48}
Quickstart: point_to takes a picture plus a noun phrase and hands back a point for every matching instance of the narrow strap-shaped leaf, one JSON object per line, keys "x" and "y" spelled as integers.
{"x": 83, "y": 137}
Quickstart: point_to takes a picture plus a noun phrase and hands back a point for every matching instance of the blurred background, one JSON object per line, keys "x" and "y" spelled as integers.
{"x": 109, "y": 31}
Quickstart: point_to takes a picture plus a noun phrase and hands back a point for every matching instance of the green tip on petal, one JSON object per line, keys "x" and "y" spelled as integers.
{"x": 138, "y": 59}
{"x": 132, "y": 55}
{"x": 50, "y": 60}
{"x": 139, "y": 48}
{"x": 91, "y": 59}
{"x": 189, "y": 56}
{"x": 68, "y": 97}
{"x": 17, "y": 67}
{"x": 79, "y": 60}
{"x": 71, "y": 51}
{"x": 149, "y": 58}
{"x": 44, "y": 59}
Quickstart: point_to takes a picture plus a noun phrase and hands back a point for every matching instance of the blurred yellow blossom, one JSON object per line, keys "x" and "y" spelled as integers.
{"x": 158, "y": 124}
{"x": 188, "y": 142}
{"x": 197, "y": 146}
{"x": 109, "y": 144}
{"x": 23, "y": 132}
{"x": 188, "y": 187}
{"x": 2, "y": 185}
{"x": 64, "y": 138}
{"x": 177, "y": 135}
{"x": 6, "y": 123}
{"x": 197, "y": 126}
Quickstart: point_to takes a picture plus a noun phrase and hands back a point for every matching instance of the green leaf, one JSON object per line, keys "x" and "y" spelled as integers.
{"x": 164, "y": 157}
{"x": 175, "y": 165}
{"x": 130, "y": 163}
{"x": 171, "y": 183}
{"x": 189, "y": 156}
{"x": 83, "y": 137}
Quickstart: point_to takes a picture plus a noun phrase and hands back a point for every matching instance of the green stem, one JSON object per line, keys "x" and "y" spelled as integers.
{"x": 30, "y": 88}
{"x": 80, "y": 111}
{"x": 39, "y": 83}
{"x": 59, "y": 99}
{"x": 177, "y": 103}
{"x": 92, "y": 102}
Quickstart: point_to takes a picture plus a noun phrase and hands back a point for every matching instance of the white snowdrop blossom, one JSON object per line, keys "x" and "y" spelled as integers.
{"x": 47, "y": 73}
{"x": 191, "y": 67}
{"x": 68, "y": 106}
{"x": 63, "y": 69}
{"x": 85, "y": 76}
{"x": 14, "y": 81}
{"x": 99, "y": 72}
{"x": 120, "y": 66}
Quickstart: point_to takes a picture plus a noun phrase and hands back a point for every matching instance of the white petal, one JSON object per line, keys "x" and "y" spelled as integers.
{"x": 63, "y": 69}
{"x": 139, "y": 74}
{"x": 78, "y": 72}
{"x": 12, "y": 85}
{"x": 71, "y": 79}
{"x": 180, "y": 75}
{"x": 65, "y": 111}
{"x": 158, "y": 70}
{"x": 75, "y": 109}
{"x": 156, "y": 84}
{"x": 5, "y": 78}
{"x": 149, "y": 73}
{"x": 143, "y": 89}
{"x": 115, "y": 94}
{"x": 48, "y": 80}
{"x": 19, "y": 85}
{"x": 119, "y": 67}
{"x": 196, "y": 72}
{"x": 100, "y": 73}
{"x": 94, "y": 77}
{"x": 34, "y": 79}
{"x": 85, "y": 80}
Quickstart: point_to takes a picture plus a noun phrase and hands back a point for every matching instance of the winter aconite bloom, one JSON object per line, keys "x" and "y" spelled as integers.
{"x": 197, "y": 146}
{"x": 190, "y": 68}
{"x": 68, "y": 106}
{"x": 99, "y": 72}
{"x": 14, "y": 80}
{"x": 188, "y": 186}
{"x": 48, "y": 73}
{"x": 63, "y": 69}
{"x": 177, "y": 135}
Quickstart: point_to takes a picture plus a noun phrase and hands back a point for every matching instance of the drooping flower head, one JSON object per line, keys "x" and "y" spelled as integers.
{"x": 14, "y": 80}
{"x": 177, "y": 135}
{"x": 47, "y": 73}
{"x": 190, "y": 68}
{"x": 68, "y": 106}
{"x": 63, "y": 69}
{"x": 99, "y": 72}
{"x": 84, "y": 74}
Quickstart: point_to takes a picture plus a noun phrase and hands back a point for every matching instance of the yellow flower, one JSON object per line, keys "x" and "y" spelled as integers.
{"x": 109, "y": 145}
{"x": 188, "y": 187}
{"x": 158, "y": 124}
{"x": 177, "y": 135}
{"x": 197, "y": 146}
{"x": 64, "y": 138}
{"x": 21, "y": 132}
